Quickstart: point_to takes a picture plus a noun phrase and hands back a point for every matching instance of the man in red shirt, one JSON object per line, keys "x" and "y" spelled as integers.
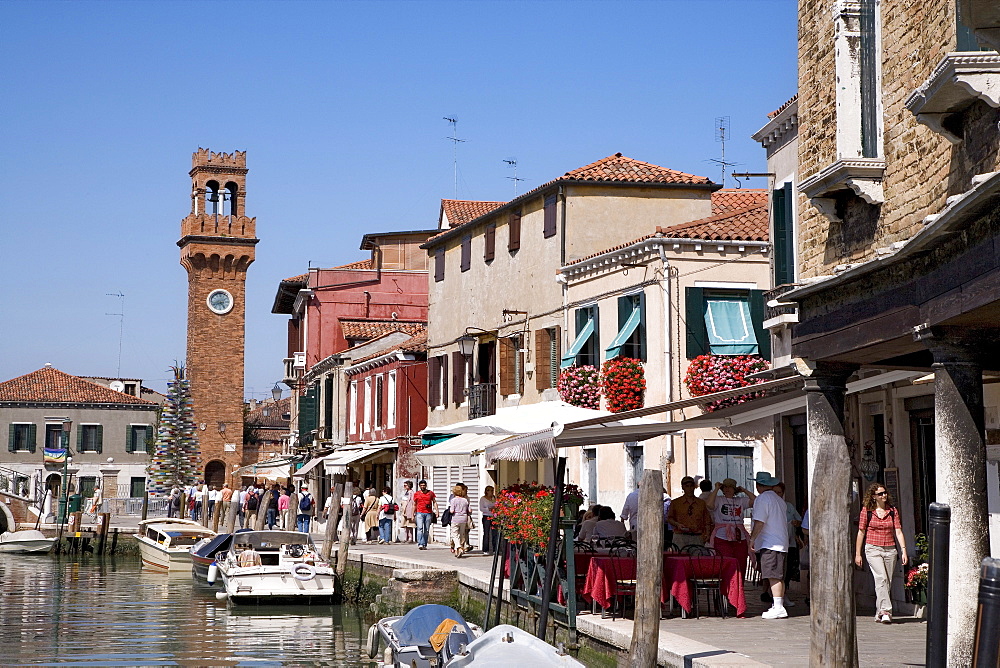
{"x": 425, "y": 504}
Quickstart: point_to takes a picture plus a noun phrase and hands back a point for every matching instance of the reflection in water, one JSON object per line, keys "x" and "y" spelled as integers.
{"x": 55, "y": 611}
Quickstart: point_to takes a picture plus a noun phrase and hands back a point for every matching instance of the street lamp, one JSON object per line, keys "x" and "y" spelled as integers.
{"x": 276, "y": 392}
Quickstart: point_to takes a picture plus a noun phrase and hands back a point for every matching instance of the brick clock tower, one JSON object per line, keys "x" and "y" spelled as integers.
{"x": 217, "y": 245}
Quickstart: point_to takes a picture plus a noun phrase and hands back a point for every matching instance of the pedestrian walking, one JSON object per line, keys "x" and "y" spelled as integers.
{"x": 386, "y": 515}
{"x": 770, "y": 541}
{"x": 878, "y": 531}
{"x": 461, "y": 520}
{"x": 284, "y": 502}
{"x": 407, "y": 513}
{"x": 306, "y": 510}
{"x": 370, "y": 514}
{"x": 425, "y": 504}
{"x": 491, "y": 537}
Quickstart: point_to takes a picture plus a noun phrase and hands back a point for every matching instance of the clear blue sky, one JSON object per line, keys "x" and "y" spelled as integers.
{"x": 340, "y": 108}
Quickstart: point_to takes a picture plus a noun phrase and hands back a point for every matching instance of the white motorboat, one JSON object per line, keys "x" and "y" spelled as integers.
{"x": 165, "y": 543}
{"x": 427, "y": 636}
{"x": 25, "y": 542}
{"x": 271, "y": 567}
{"x": 505, "y": 645}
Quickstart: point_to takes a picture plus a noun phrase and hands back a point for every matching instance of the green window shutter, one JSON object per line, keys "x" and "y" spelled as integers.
{"x": 10, "y": 440}
{"x": 694, "y": 316}
{"x": 99, "y": 438}
{"x": 307, "y": 412}
{"x": 757, "y": 317}
{"x": 79, "y": 438}
{"x": 642, "y": 325}
{"x": 129, "y": 438}
{"x": 32, "y": 433}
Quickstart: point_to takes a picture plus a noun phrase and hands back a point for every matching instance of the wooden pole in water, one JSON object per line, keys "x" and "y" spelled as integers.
{"x": 649, "y": 571}
{"x": 103, "y": 523}
{"x": 145, "y": 504}
{"x": 114, "y": 541}
{"x": 331, "y": 521}
{"x": 234, "y": 509}
{"x": 265, "y": 499}
{"x": 345, "y": 535}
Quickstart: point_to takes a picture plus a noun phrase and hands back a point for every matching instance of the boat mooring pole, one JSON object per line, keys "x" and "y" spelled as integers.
{"x": 986, "y": 650}
{"x": 550, "y": 552}
{"x": 505, "y": 549}
{"x": 939, "y": 516}
{"x": 489, "y": 593}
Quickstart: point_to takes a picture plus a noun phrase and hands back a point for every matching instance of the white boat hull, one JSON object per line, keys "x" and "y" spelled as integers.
{"x": 25, "y": 542}
{"x": 164, "y": 559}
{"x": 260, "y": 583}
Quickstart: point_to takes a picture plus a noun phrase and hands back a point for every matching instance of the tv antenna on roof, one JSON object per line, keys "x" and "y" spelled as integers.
{"x": 121, "y": 327}
{"x": 455, "y": 141}
{"x": 721, "y": 133}
{"x": 512, "y": 162}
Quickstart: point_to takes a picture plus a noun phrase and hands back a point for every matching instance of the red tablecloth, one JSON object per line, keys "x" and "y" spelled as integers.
{"x": 677, "y": 571}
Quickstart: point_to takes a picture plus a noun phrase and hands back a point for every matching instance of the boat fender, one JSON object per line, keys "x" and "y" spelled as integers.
{"x": 221, "y": 595}
{"x": 213, "y": 573}
{"x": 303, "y": 572}
{"x": 373, "y": 641}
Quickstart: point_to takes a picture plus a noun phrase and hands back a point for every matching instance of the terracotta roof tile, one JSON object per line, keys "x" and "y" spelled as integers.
{"x": 360, "y": 264}
{"x": 783, "y": 107}
{"x": 732, "y": 199}
{"x": 273, "y": 419}
{"x": 301, "y": 278}
{"x": 615, "y": 168}
{"x": 51, "y": 385}
{"x": 415, "y": 344}
{"x": 613, "y": 248}
{"x": 372, "y": 329}
{"x": 461, "y": 211}
{"x": 618, "y": 168}
{"x": 747, "y": 224}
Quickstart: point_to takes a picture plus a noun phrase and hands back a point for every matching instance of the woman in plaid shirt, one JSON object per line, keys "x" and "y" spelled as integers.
{"x": 878, "y": 530}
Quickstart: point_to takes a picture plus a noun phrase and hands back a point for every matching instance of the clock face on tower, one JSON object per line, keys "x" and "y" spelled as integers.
{"x": 220, "y": 301}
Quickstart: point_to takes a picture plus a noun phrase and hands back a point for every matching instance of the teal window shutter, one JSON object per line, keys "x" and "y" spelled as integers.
{"x": 99, "y": 439}
{"x": 694, "y": 322}
{"x": 784, "y": 235}
{"x": 583, "y": 335}
{"x": 79, "y": 437}
{"x": 307, "y": 412}
{"x": 32, "y": 433}
{"x": 642, "y": 326}
{"x": 10, "y": 442}
{"x": 629, "y": 319}
{"x": 757, "y": 317}
{"x": 130, "y": 439}
{"x": 729, "y": 326}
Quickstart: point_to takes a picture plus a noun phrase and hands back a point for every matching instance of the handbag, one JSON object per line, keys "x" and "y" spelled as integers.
{"x": 446, "y": 517}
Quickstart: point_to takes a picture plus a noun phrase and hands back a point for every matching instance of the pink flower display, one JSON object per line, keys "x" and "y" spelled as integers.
{"x": 580, "y": 386}
{"x": 714, "y": 373}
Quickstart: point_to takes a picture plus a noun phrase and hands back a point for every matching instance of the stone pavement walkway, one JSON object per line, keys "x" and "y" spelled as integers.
{"x": 705, "y": 641}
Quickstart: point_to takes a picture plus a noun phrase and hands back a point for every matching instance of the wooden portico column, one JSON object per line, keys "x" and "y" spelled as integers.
{"x": 834, "y": 640}
{"x": 960, "y": 460}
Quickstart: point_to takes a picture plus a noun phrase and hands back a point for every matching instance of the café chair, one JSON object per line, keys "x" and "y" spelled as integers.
{"x": 706, "y": 576}
{"x": 623, "y": 568}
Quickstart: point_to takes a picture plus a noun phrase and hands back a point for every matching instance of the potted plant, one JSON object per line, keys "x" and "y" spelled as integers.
{"x": 918, "y": 576}
{"x": 623, "y": 383}
{"x": 580, "y": 386}
{"x": 714, "y": 373}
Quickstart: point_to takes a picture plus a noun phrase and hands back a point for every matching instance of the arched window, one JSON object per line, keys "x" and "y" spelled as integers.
{"x": 212, "y": 197}
{"x": 231, "y": 204}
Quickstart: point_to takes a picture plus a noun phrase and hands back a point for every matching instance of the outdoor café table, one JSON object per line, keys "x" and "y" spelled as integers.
{"x": 600, "y": 583}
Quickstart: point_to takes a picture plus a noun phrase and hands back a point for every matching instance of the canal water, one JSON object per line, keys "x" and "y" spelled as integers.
{"x": 110, "y": 612}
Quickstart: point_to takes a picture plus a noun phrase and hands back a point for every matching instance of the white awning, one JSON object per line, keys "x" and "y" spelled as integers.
{"x": 462, "y": 450}
{"x": 309, "y": 466}
{"x": 543, "y": 444}
{"x": 340, "y": 460}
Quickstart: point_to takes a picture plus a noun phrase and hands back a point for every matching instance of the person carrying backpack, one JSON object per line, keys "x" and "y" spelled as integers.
{"x": 307, "y": 508}
{"x": 386, "y": 515}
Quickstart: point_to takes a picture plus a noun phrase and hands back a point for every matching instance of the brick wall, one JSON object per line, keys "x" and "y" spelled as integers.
{"x": 922, "y": 167}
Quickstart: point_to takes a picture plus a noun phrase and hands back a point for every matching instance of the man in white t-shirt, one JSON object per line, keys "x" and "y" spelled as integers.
{"x": 630, "y": 511}
{"x": 770, "y": 540}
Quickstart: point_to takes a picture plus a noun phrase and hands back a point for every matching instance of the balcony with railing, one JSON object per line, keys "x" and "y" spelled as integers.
{"x": 777, "y": 313}
{"x": 482, "y": 400}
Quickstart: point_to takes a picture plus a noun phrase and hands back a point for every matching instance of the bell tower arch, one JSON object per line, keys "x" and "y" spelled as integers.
{"x": 217, "y": 246}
